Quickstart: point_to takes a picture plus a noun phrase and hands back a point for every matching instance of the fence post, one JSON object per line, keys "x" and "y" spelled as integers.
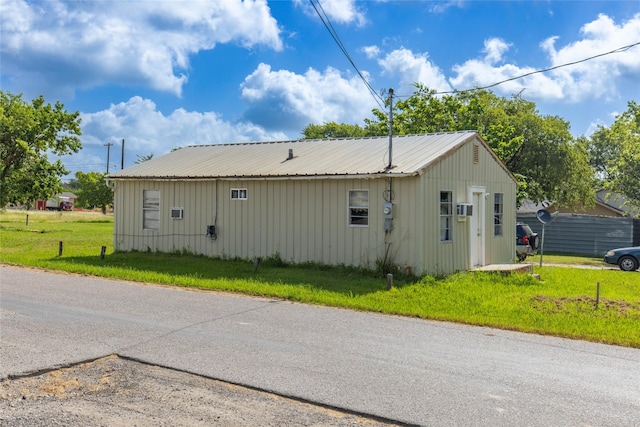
{"x": 102, "y": 252}
{"x": 60, "y": 248}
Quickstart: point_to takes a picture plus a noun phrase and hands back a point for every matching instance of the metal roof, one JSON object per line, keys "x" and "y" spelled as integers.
{"x": 411, "y": 155}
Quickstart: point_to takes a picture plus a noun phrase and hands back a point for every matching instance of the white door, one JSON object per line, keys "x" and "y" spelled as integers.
{"x": 477, "y": 229}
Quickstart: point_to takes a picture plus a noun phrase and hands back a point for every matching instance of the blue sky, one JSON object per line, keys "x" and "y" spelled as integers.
{"x": 164, "y": 74}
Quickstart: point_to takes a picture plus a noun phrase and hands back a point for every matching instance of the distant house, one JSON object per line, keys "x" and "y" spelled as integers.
{"x": 611, "y": 223}
{"x": 446, "y": 204}
{"x": 606, "y": 204}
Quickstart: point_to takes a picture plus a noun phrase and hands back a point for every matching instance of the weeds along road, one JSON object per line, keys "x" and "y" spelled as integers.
{"x": 397, "y": 369}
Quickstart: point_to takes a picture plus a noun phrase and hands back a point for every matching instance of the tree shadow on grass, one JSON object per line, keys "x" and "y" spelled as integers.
{"x": 205, "y": 272}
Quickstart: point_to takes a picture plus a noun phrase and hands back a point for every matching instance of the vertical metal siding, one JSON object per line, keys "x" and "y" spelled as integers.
{"x": 307, "y": 220}
{"x": 584, "y": 234}
{"x": 457, "y": 173}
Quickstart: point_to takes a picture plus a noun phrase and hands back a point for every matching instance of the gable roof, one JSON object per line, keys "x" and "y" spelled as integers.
{"x": 411, "y": 155}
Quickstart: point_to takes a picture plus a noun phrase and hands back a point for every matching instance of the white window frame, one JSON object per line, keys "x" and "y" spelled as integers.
{"x": 446, "y": 216}
{"x": 151, "y": 209}
{"x": 498, "y": 214}
{"x": 239, "y": 194}
{"x": 358, "y": 208}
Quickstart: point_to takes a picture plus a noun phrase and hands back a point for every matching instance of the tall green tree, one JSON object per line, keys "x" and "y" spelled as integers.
{"x": 28, "y": 132}
{"x": 615, "y": 153}
{"x": 332, "y": 130}
{"x": 539, "y": 150}
{"x": 94, "y": 190}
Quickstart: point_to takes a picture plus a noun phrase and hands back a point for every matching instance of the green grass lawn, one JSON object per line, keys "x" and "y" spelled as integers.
{"x": 563, "y": 303}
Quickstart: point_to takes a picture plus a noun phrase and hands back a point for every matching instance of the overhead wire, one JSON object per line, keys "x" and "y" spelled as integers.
{"x": 544, "y": 70}
{"x": 380, "y": 101}
{"x": 334, "y": 34}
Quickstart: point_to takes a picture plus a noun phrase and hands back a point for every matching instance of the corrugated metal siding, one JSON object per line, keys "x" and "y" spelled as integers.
{"x": 299, "y": 220}
{"x": 307, "y": 219}
{"x": 458, "y": 174}
{"x": 584, "y": 234}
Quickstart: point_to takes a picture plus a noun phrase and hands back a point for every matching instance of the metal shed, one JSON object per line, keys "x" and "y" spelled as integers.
{"x": 446, "y": 204}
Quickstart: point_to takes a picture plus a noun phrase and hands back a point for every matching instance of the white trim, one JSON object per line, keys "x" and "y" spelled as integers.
{"x": 349, "y": 207}
{"x": 477, "y": 226}
{"x": 241, "y": 194}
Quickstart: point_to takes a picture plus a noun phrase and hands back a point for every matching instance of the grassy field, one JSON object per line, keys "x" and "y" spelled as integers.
{"x": 563, "y": 303}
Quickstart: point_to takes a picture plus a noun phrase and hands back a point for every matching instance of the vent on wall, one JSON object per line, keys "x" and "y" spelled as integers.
{"x": 176, "y": 213}
{"x": 476, "y": 154}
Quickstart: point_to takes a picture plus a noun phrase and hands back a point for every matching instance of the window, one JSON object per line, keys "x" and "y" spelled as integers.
{"x": 359, "y": 207}
{"x": 238, "y": 194}
{"x": 151, "y": 209}
{"x": 498, "y": 214}
{"x": 446, "y": 216}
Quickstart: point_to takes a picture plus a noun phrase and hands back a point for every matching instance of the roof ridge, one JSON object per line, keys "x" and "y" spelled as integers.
{"x": 355, "y": 138}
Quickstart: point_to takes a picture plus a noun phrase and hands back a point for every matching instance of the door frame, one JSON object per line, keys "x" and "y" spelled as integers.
{"x": 477, "y": 217}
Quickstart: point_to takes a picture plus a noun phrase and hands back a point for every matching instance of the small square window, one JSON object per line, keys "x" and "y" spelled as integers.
{"x": 238, "y": 194}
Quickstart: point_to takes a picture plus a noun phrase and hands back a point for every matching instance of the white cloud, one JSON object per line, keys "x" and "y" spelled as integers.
{"x": 338, "y": 11}
{"x": 598, "y": 78}
{"x": 371, "y": 51}
{"x": 147, "y": 130}
{"x": 86, "y": 44}
{"x": 495, "y": 48}
{"x": 443, "y": 6}
{"x": 283, "y": 99}
{"x": 411, "y": 68}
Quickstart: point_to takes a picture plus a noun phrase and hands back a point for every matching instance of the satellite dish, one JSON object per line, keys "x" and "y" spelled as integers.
{"x": 544, "y": 216}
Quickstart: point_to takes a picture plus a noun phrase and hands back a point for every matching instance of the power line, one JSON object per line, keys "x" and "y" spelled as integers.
{"x": 620, "y": 49}
{"x": 334, "y": 34}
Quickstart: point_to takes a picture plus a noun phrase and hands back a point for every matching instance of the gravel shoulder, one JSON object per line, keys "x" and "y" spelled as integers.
{"x": 113, "y": 391}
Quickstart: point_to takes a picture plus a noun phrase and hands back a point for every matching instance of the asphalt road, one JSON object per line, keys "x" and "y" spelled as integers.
{"x": 409, "y": 370}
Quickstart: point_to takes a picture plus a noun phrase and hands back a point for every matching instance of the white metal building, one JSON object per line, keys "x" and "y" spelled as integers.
{"x": 446, "y": 204}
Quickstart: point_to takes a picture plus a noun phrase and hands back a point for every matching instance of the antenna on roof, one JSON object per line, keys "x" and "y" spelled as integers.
{"x": 390, "y": 128}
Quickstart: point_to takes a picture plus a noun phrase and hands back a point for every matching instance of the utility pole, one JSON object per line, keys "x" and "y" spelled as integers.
{"x": 108, "y": 145}
{"x": 390, "y": 128}
{"x": 122, "y": 161}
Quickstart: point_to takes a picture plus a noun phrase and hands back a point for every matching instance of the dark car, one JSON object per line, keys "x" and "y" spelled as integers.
{"x": 526, "y": 241}
{"x": 628, "y": 259}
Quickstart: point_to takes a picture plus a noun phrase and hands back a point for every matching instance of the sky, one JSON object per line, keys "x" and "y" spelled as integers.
{"x": 162, "y": 74}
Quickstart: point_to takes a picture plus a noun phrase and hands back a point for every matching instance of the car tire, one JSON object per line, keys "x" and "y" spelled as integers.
{"x": 534, "y": 242}
{"x": 628, "y": 263}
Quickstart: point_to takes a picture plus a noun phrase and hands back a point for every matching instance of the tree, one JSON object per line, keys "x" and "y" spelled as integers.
{"x": 332, "y": 130}
{"x": 27, "y": 133}
{"x": 35, "y": 181}
{"x": 94, "y": 190}
{"x": 615, "y": 154}
{"x": 539, "y": 150}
